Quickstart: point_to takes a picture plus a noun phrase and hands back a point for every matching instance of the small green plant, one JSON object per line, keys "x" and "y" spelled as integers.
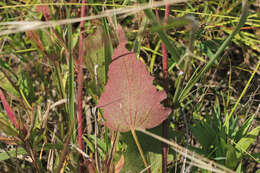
{"x": 226, "y": 144}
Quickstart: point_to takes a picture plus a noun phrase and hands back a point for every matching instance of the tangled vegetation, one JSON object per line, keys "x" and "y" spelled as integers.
{"x": 58, "y": 59}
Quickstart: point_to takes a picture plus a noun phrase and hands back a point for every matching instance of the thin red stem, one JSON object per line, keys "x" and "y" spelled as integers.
{"x": 80, "y": 83}
{"x": 8, "y": 110}
{"x": 166, "y": 86}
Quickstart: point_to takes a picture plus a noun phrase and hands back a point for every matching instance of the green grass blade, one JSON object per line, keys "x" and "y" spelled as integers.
{"x": 193, "y": 80}
{"x": 242, "y": 94}
{"x": 71, "y": 82}
{"x": 71, "y": 76}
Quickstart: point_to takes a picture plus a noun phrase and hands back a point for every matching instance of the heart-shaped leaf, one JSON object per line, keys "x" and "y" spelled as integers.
{"x": 130, "y": 100}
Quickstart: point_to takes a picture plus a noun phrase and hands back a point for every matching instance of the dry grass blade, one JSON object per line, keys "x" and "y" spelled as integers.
{"x": 50, "y": 107}
{"x": 21, "y": 26}
{"x": 196, "y": 159}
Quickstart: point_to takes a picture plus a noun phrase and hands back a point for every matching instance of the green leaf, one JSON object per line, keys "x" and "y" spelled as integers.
{"x": 198, "y": 150}
{"x": 244, "y": 143}
{"x": 221, "y": 147}
{"x": 7, "y": 86}
{"x": 233, "y": 127}
{"x": 186, "y": 21}
{"x": 6, "y": 126}
{"x": 26, "y": 85}
{"x": 4, "y": 64}
{"x": 46, "y": 41}
{"x": 204, "y": 133}
{"x": 75, "y": 38}
{"x": 244, "y": 128}
{"x": 97, "y": 60}
{"x": 217, "y": 118}
{"x": 239, "y": 168}
{"x": 11, "y": 153}
{"x": 91, "y": 144}
{"x": 133, "y": 160}
{"x": 231, "y": 159}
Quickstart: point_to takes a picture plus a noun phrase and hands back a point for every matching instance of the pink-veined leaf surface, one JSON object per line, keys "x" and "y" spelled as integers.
{"x": 130, "y": 100}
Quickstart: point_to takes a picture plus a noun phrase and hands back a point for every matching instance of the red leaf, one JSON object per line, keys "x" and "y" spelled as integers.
{"x": 130, "y": 100}
{"x": 46, "y": 11}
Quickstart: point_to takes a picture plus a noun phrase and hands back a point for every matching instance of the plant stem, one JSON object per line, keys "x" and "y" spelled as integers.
{"x": 172, "y": 50}
{"x": 140, "y": 149}
{"x": 8, "y": 110}
{"x": 65, "y": 149}
{"x": 166, "y": 83}
{"x": 80, "y": 85}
